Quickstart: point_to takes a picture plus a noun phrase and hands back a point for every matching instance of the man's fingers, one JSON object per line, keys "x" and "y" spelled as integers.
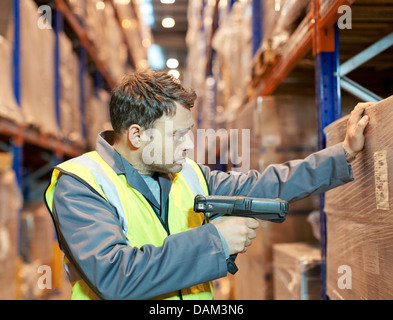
{"x": 357, "y": 112}
{"x": 362, "y": 125}
{"x": 252, "y": 234}
{"x": 252, "y": 223}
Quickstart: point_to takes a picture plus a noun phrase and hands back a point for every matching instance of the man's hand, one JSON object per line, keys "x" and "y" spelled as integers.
{"x": 237, "y": 231}
{"x": 354, "y": 139}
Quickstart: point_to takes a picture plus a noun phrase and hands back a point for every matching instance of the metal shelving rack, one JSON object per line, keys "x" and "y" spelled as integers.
{"x": 20, "y": 136}
{"x": 322, "y": 37}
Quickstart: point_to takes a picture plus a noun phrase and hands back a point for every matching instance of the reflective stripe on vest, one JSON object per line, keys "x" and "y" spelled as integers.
{"x": 146, "y": 227}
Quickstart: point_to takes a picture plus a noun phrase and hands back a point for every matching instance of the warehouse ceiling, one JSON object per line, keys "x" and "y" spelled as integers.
{"x": 172, "y": 40}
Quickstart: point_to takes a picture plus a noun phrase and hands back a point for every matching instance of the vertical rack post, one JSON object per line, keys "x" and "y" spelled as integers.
{"x": 58, "y": 28}
{"x": 328, "y": 101}
{"x": 82, "y": 54}
{"x": 257, "y": 18}
{"x": 58, "y": 156}
{"x": 82, "y": 70}
{"x": 17, "y": 142}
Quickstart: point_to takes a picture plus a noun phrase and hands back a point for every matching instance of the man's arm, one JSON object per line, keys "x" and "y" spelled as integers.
{"x": 297, "y": 179}
{"x": 94, "y": 241}
{"x": 290, "y": 181}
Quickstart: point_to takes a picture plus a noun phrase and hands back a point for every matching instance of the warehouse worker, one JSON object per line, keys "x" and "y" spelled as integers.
{"x": 124, "y": 214}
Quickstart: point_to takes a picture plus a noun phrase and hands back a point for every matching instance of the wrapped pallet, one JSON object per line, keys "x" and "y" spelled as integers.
{"x": 6, "y": 21}
{"x": 97, "y": 116}
{"x": 104, "y": 31}
{"x": 71, "y": 125}
{"x": 232, "y": 43}
{"x": 37, "y": 71}
{"x": 296, "y": 271}
{"x": 8, "y": 106}
{"x": 38, "y": 237}
{"x": 10, "y": 204}
{"x": 359, "y": 214}
{"x": 286, "y": 127}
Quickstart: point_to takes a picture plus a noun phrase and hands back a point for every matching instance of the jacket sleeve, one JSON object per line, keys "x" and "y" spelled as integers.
{"x": 93, "y": 240}
{"x": 290, "y": 181}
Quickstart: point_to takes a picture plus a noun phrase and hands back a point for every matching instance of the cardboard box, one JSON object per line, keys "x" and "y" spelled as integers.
{"x": 296, "y": 271}
{"x": 360, "y": 214}
{"x": 254, "y": 280}
{"x": 283, "y": 127}
{"x": 10, "y": 203}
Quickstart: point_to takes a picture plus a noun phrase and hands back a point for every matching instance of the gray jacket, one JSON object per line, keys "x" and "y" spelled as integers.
{"x": 93, "y": 240}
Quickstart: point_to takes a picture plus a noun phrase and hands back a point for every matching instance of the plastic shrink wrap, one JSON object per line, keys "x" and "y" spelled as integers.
{"x": 296, "y": 271}
{"x": 104, "y": 31}
{"x": 37, "y": 71}
{"x": 71, "y": 125}
{"x": 232, "y": 44}
{"x": 6, "y": 19}
{"x": 37, "y": 240}
{"x": 359, "y": 215}
{"x": 9, "y": 212}
{"x": 8, "y": 105}
{"x": 97, "y": 116}
{"x": 285, "y": 24}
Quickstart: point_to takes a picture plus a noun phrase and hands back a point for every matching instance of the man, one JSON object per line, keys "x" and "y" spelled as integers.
{"x": 124, "y": 213}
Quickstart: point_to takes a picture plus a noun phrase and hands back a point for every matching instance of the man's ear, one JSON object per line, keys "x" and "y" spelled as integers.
{"x": 134, "y": 136}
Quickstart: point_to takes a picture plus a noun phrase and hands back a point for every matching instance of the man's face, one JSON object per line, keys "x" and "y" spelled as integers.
{"x": 167, "y": 143}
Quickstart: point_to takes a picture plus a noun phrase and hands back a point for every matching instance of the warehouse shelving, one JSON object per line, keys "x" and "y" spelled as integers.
{"x": 298, "y": 47}
{"x": 35, "y": 152}
{"x": 21, "y": 134}
{"x": 321, "y": 35}
{"x": 320, "y": 55}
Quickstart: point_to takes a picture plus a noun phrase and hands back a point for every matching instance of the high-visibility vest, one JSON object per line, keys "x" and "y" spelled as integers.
{"x": 137, "y": 218}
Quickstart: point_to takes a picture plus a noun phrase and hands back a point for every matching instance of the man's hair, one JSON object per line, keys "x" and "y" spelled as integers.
{"x": 145, "y": 96}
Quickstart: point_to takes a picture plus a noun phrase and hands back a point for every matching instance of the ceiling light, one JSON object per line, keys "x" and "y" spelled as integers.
{"x": 174, "y": 73}
{"x": 122, "y": 1}
{"x": 126, "y": 23}
{"x": 146, "y": 9}
{"x": 168, "y": 22}
{"x": 167, "y": 1}
{"x": 155, "y": 56}
{"x": 172, "y": 63}
{"x": 277, "y": 5}
{"x": 146, "y": 42}
{"x": 100, "y": 5}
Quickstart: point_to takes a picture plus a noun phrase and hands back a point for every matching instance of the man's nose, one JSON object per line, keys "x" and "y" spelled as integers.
{"x": 188, "y": 142}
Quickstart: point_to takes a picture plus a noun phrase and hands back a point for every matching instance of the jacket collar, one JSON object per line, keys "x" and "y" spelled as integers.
{"x": 120, "y": 165}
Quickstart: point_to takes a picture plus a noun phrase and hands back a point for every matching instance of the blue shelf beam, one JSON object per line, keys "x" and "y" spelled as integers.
{"x": 366, "y": 54}
{"x": 351, "y": 86}
{"x": 58, "y": 28}
{"x": 328, "y": 101}
{"x": 257, "y": 30}
{"x": 82, "y": 70}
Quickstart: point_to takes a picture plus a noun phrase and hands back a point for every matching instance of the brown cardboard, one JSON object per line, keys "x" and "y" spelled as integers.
{"x": 296, "y": 271}
{"x": 360, "y": 217}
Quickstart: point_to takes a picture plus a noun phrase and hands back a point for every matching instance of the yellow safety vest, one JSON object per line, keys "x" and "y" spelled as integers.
{"x": 139, "y": 221}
